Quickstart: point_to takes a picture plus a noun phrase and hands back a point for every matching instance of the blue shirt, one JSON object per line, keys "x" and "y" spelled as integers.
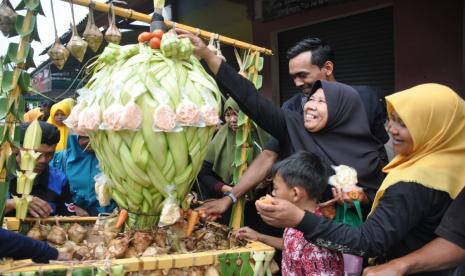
{"x": 80, "y": 167}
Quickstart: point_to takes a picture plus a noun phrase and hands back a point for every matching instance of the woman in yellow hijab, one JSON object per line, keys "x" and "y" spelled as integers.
{"x": 427, "y": 125}
{"x": 58, "y": 113}
{"x": 33, "y": 114}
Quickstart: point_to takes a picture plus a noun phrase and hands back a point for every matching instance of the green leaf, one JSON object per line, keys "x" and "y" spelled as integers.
{"x": 11, "y": 165}
{"x": 249, "y": 61}
{"x": 20, "y": 22}
{"x": 239, "y": 137}
{"x": 31, "y": 5}
{"x": 241, "y": 119}
{"x": 7, "y": 82}
{"x": 260, "y": 64}
{"x": 55, "y": 272}
{"x": 259, "y": 82}
{"x": 249, "y": 155}
{"x": 3, "y": 197}
{"x": 19, "y": 112}
{"x": 235, "y": 178}
{"x": 24, "y": 81}
{"x": 30, "y": 59}
{"x": 35, "y": 34}
{"x": 3, "y": 108}
{"x": 39, "y": 9}
{"x": 13, "y": 51}
{"x": 250, "y": 76}
{"x": 83, "y": 271}
{"x": 237, "y": 157}
{"x": 2, "y": 134}
{"x": 17, "y": 136}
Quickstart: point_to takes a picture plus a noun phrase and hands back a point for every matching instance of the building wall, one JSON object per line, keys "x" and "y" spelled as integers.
{"x": 428, "y": 43}
{"x": 221, "y": 16}
{"x": 428, "y": 39}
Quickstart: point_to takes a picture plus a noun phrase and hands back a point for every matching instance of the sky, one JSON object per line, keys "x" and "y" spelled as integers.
{"x": 45, "y": 26}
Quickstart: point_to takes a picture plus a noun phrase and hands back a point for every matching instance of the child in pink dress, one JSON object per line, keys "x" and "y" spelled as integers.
{"x": 300, "y": 179}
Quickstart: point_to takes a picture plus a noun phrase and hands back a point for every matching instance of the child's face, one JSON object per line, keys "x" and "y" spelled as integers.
{"x": 280, "y": 189}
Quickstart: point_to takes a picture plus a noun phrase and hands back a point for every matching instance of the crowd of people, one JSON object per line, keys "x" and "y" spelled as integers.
{"x": 410, "y": 204}
{"x": 406, "y": 201}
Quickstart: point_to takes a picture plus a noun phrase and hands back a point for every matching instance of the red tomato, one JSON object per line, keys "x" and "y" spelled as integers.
{"x": 144, "y": 37}
{"x": 158, "y": 33}
{"x": 155, "y": 42}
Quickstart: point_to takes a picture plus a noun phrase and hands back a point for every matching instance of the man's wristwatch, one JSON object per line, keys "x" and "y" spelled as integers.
{"x": 231, "y": 196}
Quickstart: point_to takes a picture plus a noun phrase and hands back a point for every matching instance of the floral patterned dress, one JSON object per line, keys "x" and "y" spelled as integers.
{"x": 303, "y": 258}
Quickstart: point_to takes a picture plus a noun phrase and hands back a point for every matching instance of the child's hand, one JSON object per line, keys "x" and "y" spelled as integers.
{"x": 247, "y": 233}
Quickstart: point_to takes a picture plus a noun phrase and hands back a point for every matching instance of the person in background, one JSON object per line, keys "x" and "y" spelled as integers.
{"x": 45, "y": 108}
{"x": 301, "y": 179}
{"x": 80, "y": 166}
{"x": 58, "y": 113}
{"x": 427, "y": 125}
{"x": 33, "y": 114}
{"x": 19, "y": 247}
{"x": 215, "y": 177}
{"x": 50, "y": 192}
{"x": 444, "y": 252}
{"x": 310, "y": 60}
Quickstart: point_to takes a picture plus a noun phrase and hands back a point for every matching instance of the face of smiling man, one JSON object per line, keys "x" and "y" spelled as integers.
{"x": 304, "y": 73}
{"x": 316, "y": 112}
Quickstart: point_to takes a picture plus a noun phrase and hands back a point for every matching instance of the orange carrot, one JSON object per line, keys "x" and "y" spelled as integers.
{"x": 192, "y": 220}
{"x": 123, "y": 215}
{"x": 201, "y": 212}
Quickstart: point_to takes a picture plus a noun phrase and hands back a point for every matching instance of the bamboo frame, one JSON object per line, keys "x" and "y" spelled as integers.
{"x": 204, "y": 258}
{"x": 142, "y": 263}
{"x": 131, "y": 14}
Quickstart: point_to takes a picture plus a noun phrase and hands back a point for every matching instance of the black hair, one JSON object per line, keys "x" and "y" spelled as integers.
{"x": 47, "y": 103}
{"x": 50, "y": 133}
{"x": 321, "y": 52}
{"x": 306, "y": 170}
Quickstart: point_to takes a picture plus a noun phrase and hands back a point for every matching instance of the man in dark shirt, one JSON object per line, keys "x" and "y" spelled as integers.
{"x": 446, "y": 251}
{"x": 309, "y": 60}
{"x": 50, "y": 191}
{"x": 18, "y": 247}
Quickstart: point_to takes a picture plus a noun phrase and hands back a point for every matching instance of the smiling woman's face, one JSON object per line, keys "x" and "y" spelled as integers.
{"x": 402, "y": 141}
{"x": 316, "y": 112}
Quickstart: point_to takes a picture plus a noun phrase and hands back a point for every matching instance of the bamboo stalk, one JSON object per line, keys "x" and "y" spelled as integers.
{"x": 131, "y": 14}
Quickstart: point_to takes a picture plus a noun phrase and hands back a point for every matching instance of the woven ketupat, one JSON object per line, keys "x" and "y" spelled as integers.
{"x": 149, "y": 119}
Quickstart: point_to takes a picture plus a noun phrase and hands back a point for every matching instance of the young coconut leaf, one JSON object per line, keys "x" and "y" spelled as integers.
{"x": 112, "y": 35}
{"x": 76, "y": 45}
{"x": 92, "y": 34}
{"x": 58, "y": 53}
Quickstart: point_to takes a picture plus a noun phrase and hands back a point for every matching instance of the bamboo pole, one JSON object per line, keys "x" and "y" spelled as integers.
{"x": 131, "y": 14}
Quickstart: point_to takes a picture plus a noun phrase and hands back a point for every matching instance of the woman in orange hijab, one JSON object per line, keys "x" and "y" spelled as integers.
{"x": 33, "y": 114}
{"x": 59, "y": 112}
